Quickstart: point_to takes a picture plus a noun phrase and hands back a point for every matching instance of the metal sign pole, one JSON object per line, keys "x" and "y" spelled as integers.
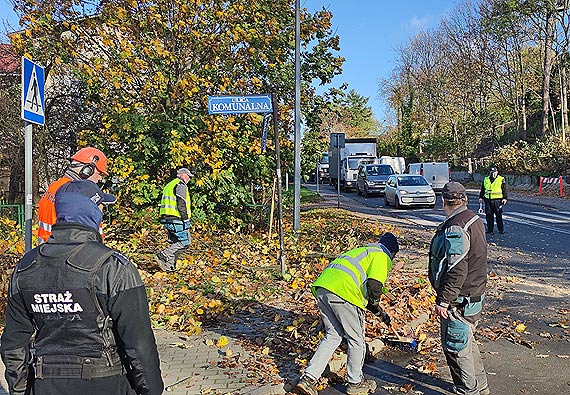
{"x": 279, "y": 194}
{"x": 28, "y": 184}
{"x": 338, "y": 173}
{"x": 297, "y": 153}
{"x": 32, "y": 111}
{"x": 317, "y": 176}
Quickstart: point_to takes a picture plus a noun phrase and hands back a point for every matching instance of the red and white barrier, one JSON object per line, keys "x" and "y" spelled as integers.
{"x": 550, "y": 180}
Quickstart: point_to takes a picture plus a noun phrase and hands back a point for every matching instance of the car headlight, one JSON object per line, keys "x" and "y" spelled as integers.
{"x": 402, "y": 192}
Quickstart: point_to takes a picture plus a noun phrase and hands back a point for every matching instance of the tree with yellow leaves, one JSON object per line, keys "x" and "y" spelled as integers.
{"x": 149, "y": 67}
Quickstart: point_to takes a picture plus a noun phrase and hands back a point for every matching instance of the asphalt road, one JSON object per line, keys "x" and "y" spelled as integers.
{"x": 537, "y": 230}
{"x": 534, "y": 252}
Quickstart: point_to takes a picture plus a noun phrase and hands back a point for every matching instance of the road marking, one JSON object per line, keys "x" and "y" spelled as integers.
{"x": 564, "y": 218}
{"x": 530, "y": 223}
{"x": 425, "y": 222}
{"x": 538, "y": 218}
{"x": 437, "y": 217}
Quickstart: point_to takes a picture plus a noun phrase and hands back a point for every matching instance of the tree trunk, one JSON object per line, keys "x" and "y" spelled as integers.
{"x": 547, "y": 68}
{"x": 524, "y": 116}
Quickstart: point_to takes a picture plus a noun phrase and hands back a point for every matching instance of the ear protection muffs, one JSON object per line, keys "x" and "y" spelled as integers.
{"x": 88, "y": 169}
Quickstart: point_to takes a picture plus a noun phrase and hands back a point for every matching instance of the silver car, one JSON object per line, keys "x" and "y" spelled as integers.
{"x": 408, "y": 190}
{"x": 372, "y": 178}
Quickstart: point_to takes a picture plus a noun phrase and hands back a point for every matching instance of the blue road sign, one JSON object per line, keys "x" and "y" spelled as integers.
{"x": 239, "y": 104}
{"x": 32, "y": 92}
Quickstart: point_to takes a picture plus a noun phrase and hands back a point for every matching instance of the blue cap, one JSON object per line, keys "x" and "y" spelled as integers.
{"x": 389, "y": 241}
{"x": 78, "y": 201}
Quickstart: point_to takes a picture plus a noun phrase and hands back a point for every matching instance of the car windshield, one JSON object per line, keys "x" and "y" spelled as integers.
{"x": 412, "y": 181}
{"x": 353, "y": 163}
{"x": 325, "y": 159}
{"x": 379, "y": 170}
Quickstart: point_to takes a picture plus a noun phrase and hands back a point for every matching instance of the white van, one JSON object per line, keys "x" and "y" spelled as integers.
{"x": 397, "y": 163}
{"x": 436, "y": 173}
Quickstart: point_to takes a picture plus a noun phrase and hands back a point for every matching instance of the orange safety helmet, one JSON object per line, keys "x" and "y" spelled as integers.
{"x": 92, "y": 156}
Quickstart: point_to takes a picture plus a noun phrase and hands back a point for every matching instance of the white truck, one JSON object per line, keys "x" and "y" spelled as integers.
{"x": 397, "y": 162}
{"x": 323, "y": 168}
{"x": 435, "y": 173}
{"x": 356, "y": 151}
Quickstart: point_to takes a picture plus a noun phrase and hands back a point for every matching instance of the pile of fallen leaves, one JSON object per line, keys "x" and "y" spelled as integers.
{"x": 235, "y": 279}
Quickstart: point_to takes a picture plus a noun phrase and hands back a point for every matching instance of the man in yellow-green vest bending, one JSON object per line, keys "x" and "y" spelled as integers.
{"x": 494, "y": 193}
{"x": 350, "y": 284}
{"x": 175, "y": 216}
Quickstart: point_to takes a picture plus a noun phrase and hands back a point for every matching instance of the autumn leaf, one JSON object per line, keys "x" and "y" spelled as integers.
{"x": 222, "y": 342}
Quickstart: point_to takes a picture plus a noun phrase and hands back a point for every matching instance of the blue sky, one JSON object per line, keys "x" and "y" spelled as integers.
{"x": 370, "y": 32}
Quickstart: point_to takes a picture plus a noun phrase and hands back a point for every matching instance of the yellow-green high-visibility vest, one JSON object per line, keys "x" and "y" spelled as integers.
{"x": 493, "y": 190}
{"x": 168, "y": 202}
{"x": 347, "y": 274}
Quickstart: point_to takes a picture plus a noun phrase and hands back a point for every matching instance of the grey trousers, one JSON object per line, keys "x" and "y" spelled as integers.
{"x": 341, "y": 320}
{"x": 466, "y": 367}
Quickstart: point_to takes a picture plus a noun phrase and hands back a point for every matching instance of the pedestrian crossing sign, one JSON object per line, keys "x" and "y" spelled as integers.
{"x": 32, "y": 92}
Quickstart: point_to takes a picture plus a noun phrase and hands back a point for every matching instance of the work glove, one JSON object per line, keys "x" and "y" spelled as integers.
{"x": 187, "y": 224}
{"x": 384, "y": 317}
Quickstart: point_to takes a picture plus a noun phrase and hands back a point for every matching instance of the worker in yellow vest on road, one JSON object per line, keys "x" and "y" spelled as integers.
{"x": 350, "y": 284}
{"x": 494, "y": 193}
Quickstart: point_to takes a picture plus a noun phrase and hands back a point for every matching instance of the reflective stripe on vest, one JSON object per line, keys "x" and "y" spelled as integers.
{"x": 168, "y": 204}
{"x": 493, "y": 190}
{"x": 356, "y": 266}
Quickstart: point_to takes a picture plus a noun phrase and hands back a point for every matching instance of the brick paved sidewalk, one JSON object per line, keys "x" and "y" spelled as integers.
{"x": 190, "y": 366}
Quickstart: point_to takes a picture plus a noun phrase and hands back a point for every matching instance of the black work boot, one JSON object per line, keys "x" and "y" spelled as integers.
{"x": 163, "y": 263}
{"x": 306, "y": 386}
{"x": 363, "y": 388}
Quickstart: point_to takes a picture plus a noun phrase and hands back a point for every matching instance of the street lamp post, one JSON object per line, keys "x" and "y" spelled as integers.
{"x": 297, "y": 159}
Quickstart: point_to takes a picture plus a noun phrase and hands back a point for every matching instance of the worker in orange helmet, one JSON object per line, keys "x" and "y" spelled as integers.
{"x": 86, "y": 164}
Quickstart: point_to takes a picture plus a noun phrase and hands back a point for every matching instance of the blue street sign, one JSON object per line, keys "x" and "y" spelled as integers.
{"x": 32, "y": 92}
{"x": 239, "y": 104}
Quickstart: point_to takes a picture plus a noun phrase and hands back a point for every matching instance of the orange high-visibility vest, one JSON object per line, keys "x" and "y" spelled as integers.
{"x": 46, "y": 210}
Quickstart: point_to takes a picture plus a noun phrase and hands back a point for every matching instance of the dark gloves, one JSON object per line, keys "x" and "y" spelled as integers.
{"x": 383, "y": 316}
{"x": 374, "y": 307}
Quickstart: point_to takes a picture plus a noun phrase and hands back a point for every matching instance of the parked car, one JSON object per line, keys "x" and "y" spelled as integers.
{"x": 435, "y": 173}
{"x": 372, "y": 178}
{"x": 408, "y": 190}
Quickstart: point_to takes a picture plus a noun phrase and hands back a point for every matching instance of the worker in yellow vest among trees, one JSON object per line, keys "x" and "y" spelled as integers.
{"x": 494, "y": 193}
{"x": 175, "y": 216}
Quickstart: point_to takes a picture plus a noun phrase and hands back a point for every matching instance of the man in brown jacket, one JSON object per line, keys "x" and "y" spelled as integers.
{"x": 458, "y": 272}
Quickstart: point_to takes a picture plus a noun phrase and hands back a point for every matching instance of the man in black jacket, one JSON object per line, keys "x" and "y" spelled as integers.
{"x": 77, "y": 318}
{"x": 494, "y": 194}
{"x": 458, "y": 272}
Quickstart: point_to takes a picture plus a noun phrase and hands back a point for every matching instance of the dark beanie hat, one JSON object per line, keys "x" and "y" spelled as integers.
{"x": 389, "y": 241}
